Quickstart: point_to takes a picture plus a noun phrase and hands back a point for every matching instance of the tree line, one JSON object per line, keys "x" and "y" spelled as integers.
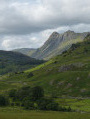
{"x": 31, "y": 99}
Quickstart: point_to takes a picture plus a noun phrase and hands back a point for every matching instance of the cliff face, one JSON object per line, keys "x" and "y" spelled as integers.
{"x": 57, "y": 43}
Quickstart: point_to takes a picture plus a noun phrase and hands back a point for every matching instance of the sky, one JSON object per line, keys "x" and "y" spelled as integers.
{"x": 29, "y": 23}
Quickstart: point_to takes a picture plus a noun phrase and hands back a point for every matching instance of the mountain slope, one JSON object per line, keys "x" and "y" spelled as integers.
{"x": 26, "y": 51}
{"x": 12, "y": 61}
{"x": 67, "y": 74}
{"x": 57, "y": 43}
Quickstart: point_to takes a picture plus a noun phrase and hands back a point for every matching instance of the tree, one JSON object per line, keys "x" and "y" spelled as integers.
{"x": 30, "y": 75}
{"x": 37, "y": 93}
{"x": 52, "y": 106}
{"x": 12, "y": 93}
{"x": 28, "y": 104}
{"x": 47, "y": 104}
{"x": 3, "y": 101}
{"x": 23, "y": 93}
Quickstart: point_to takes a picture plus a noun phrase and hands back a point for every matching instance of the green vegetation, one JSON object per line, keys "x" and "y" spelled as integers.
{"x": 67, "y": 74}
{"x": 3, "y": 101}
{"x": 15, "y": 113}
{"x": 78, "y": 104}
{"x": 16, "y": 62}
{"x": 63, "y": 78}
{"x": 31, "y": 99}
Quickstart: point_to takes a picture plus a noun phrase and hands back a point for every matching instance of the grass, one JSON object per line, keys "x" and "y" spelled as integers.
{"x": 73, "y": 82}
{"x": 75, "y": 104}
{"x": 11, "y": 113}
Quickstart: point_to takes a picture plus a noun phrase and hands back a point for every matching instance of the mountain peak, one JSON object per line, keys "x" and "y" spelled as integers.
{"x": 57, "y": 43}
{"x": 69, "y": 31}
{"x": 55, "y": 34}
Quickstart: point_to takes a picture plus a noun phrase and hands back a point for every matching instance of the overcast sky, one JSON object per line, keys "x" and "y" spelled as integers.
{"x": 28, "y": 23}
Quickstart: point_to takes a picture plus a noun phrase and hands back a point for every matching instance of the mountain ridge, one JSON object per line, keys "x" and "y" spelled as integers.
{"x": 26, "y": 51}
{"x": 57, "y": 43}
{"x": 15, "y": 61}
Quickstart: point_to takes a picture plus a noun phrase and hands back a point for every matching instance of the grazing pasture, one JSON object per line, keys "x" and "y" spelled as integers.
{"x": 15, "y": 113}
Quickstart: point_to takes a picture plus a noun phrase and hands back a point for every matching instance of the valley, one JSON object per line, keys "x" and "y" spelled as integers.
{"x": 64, "y": 78}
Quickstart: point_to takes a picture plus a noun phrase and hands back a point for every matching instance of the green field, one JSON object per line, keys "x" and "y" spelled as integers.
{"x": 81, "y": 106}
{"x": 19, "y": 114}
{"x": 76, "y": 104}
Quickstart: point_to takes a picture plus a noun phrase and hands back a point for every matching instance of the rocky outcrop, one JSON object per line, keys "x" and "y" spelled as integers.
{"x": 57, "y": 43}
{"x": 65, "y": 68}
{"x": 70, "y": 67}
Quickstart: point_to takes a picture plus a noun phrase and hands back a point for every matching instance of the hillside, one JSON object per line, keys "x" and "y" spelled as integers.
{"x": 67, "y": 74}
{"x": 25, "y": 51}
{"x": 13, "y": 62}
{"x": 57, "y": 43}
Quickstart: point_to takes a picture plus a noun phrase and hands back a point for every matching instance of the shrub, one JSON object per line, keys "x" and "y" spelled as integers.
{"x": 69, "y": 109}
{"x": 74, "y": 46}
{"x": 3, "y": 101}
{"x": 12, "y": 104}
{"x": 30, "y": 75}
{"x": 47, "y": 104}
{"x": 37, "y": 93}
{"x": 52, "y": 106}
{"x": 64, "y": 52}
{"x": 23, "y": 93}
{"x": 28, "y": 104}
{"x": 12, "y": 93}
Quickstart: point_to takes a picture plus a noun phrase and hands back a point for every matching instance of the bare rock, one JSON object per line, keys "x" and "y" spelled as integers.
{"x": 51, "y": 82}
{"x": 69, "y": 85}
{"x": 24, "y": 83}
{"x": 70, "y": 67}
{"x": 78, "y": 78}
{"x": 83, "y": 90}
{"x": 60, "y": 83}
{"x": 65, "y": 68}
{"x": 89, "y": 75}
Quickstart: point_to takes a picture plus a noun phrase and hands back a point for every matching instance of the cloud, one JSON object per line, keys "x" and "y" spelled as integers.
{"x": 36, "y": 40}
{"x": 28, "y": 23}
{"x": 9, "y": 42}
{"x": 23, "y": 17}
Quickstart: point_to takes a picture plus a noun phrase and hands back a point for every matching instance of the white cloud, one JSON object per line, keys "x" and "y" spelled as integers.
{"x": 25, "y": 41}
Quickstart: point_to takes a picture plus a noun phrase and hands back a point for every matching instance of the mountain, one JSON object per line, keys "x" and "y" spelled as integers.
{"x": 57, "y": 43}
{"x": 26, "y": 51}
{"x": 13, "y": 61}
{"x": 67, "y": 74}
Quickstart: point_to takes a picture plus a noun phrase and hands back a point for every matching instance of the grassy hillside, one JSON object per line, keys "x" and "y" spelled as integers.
{"x": 67, "y": 74}
{"x": 13, "y": 62}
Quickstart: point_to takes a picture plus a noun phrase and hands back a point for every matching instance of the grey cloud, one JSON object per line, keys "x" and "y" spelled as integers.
{"x": 28, "y": 23}
{"x": 22, "y": 41}
{"x": 24, "y": 18}
{"x": 36, "y": 40}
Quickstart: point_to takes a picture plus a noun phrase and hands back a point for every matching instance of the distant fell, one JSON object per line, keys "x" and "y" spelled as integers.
{"x": 26, "y": 51}
{"x": 57, "y": 43}
{"x": 14, "y": 62}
